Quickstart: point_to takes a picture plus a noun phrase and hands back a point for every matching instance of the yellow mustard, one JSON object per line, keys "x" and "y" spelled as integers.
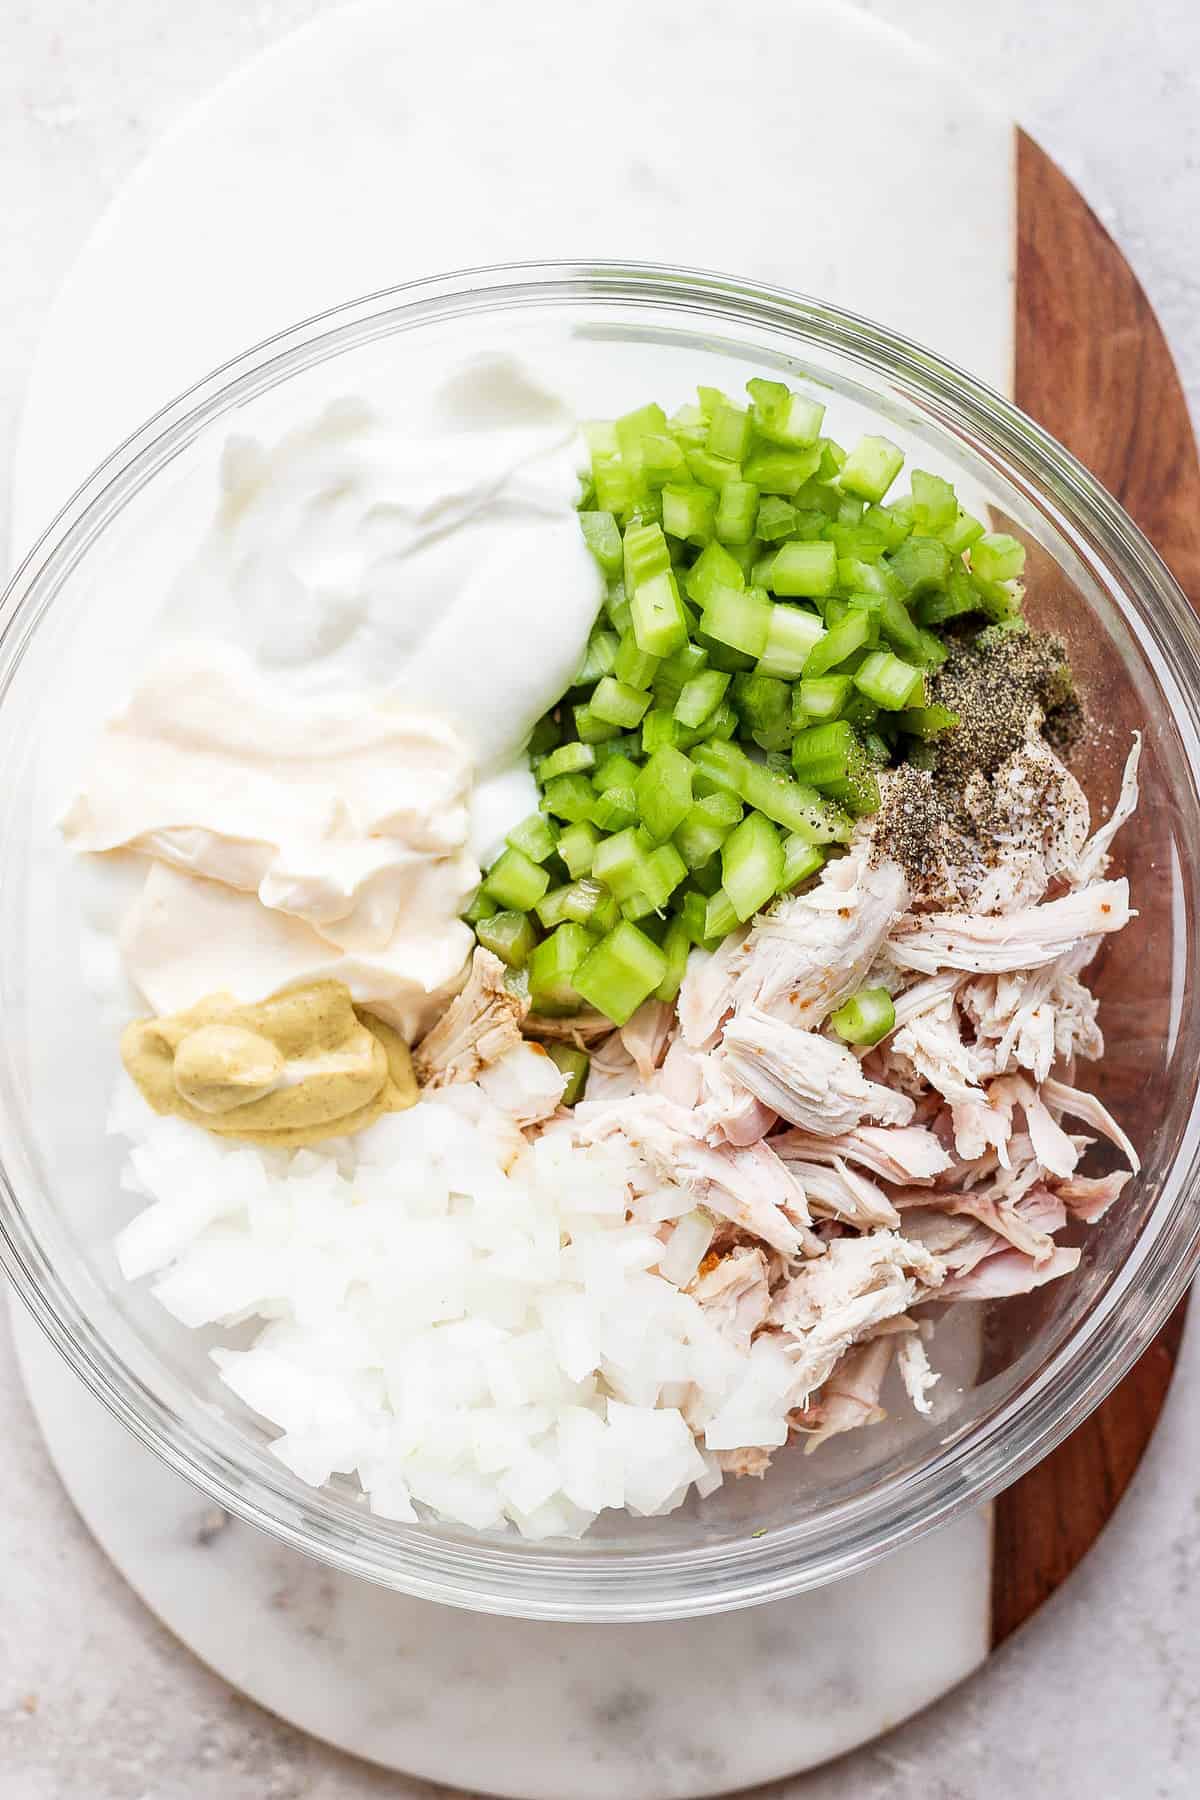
{"x": 304, "y": 1065}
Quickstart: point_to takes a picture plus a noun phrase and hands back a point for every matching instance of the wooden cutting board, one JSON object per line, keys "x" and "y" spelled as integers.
{"x": 1092, "y": 366}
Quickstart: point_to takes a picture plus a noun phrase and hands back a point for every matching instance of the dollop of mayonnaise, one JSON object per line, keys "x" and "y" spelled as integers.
{"x": 390, "y": 601}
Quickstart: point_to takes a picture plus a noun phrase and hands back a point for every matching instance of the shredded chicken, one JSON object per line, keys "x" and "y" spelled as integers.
{"x": 477, "y": 1028}
{"x": 524, "y": 1083}
{"x": 850, "y": 1397}
{"x": 1093, "y": 859}
{"x": 844, "y": 1296}
{"x": 736, "y": 1295}
{"x": 806, "y": 1079}
{"x": 812, "y": 951}
{"x": 987, "y": 943}
{"x": 647, "y": 1034}
{"x": 900, "y": 1153}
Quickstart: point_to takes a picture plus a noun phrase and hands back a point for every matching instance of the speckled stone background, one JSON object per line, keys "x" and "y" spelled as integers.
{"x": 1099, "y": 1699}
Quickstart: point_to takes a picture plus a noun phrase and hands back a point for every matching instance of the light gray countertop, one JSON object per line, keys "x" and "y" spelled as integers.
{"x": 1100, "y": 1696}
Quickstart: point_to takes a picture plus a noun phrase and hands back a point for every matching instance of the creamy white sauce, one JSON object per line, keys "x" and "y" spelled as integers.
{"x": 332, "y": 735}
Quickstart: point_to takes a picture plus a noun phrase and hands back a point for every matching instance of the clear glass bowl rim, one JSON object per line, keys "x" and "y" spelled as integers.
{"x": 612, "y": 1585}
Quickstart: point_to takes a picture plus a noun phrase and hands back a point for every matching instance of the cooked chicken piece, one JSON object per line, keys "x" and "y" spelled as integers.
{"x": 1033, "y": 1018}
{"x": 1051, "y": 1144}
{"x": 906, "y": 1153}
{"x": 612, "y": 1072}
{"x": 524, "y": 1083}
{"x": 581, "y": 1028}
{"x": 998, "y": 1277}
{"x": 850, "y": 1396}
{"x": 932, "y": 1042}
{"x": 723, "y": 1111}
{"x": 1083, "y": 1106}
{"x": 745, "y": 1462}
{"x": 708, "y": 988}
{"x": 839, "y": 1192}
{"x": 913, "y": 1362}
{"x": 1002, "y": 1217}
{"x": 1034, "y": 812}
{"x": 1018, "y": 940}
{"x": 647, "y": 1034}
{"x": 958, "y": 1243}
{"x": 1093, "y": 859}
{"x": 750, "y": 1187}
{"x": 1088, "y": 1197}
{"x": 806, "y": 1079}
{"x": 681, "y": 1078}
{"x": 476, "y": 1029}
{"x": 920, "y": 997}
{"x": 812, "y": 951}
{"x": 980, "y": 1127}
{"x": 736, "y": 1295}
{"x": 845, "y": 1295}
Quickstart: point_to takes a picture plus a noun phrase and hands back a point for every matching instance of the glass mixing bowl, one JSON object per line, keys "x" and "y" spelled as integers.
{"x": 1021, "y": 1374}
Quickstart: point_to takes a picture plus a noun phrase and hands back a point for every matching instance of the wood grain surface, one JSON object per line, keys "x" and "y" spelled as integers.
{"x": 1093, "y": 367}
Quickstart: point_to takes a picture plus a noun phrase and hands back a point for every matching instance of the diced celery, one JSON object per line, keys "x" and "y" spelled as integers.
{"x": 858, "y": 793}
{"x": 657, "y": 615}
{"x": 921, "y": 565}
{"x": 675, "y": 947}
{"x": 574, "y": 1064}
{"x": 764, "y": 706}
{"x": 545, "y": 736}
{"x": 714, "y": 569}
{"x": 927, "y": 721}
{"x": 858, "y": 575}
{"x": 613, "y": 483}
{"x": 888, "y": 681}
{"x": 740, "y": 618}
{"x": 509, "y": 935}
{"x": 826, "y": 753}
{"x": 516, "y": 881}
{"x": 849, "y": 635}
{"x": 598, "y": 659}
{"x": 800, "y": 860}
{"x": 720, "y": 916}
{"x": 700, "y": 697}
{"x": 674, "y": 673}
{"x": 692, "y": 909}
{"x": 860, "y": 712}
{"x": 891, "y": 525}
{"x": 823, "y": 696}
{"x": 776, "y": 518}
{"x": 569, "y": 797}
{"x": 615, "y": 771}
{"x": 737, "y": 512}
{"x": 590, "y": 727}
{"x": 1000, "y": 600}
{"x": 689, "y": 425}
{"x": 729, "y": 430}
{"x": 804, "y": 571}
{"x": 706, "y": 827}
{"x": 631, "y": 665}
{"x": 722, "y": 722}
{"x": 930, "y": 651}
{"x": 664, "y": 792}
{"x": 897, "y": 624}
{"x": 961, "y": 596}
{"x": 568, "y": 759}
{"x": 659, "y": 730}
{"x": 997, "y": 557}
{"x": 662, "y": 461}
{"x": 602, "y": 536}
{"x": 712, "y": 471}
{"x": 866, "y": 1017}
{"x": 481, "y": 906}
{"x": 551, "y": 908}
{"x": 589, "y": 903}
{"x": 645, "y": 554}
{"x": 784, "y": 417}
{"x": 792, "y": 632}
{"x": 791, "y": 804}
{"x": 745, "y": 555}
{"x": 723, "y": 765}
{"x": 871, "y": 468}
{"x": 618, "y": 861}
{"x": 962, "y": 531}
{"x": 552, "y": 966}
{"x": 660, "y": 874}
{"x": 616, "y": 703}
{"x": 577, "y": 847}
{"x": 615, "y": 809}
{"x": 536, "y": 837}
{"x": 934, "y": 503}
{"x": 689, "y": 512}
{"x": 632, "y": 428}
{"x": 751, "y": 864}
{"x": 616, "y": 605}
{"x": 782, "y": 471}
{"x": 621, "y": 971}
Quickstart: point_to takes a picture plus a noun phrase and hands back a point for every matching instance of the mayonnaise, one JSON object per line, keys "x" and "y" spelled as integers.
{"x": 332, "y": 740}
